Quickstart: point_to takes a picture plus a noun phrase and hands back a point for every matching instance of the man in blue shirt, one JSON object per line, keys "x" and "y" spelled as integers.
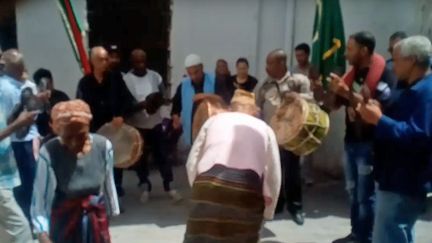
{"x": 22, "y": 145}
{"x": 403, "y": 138}
{"x": 12, "y": 218}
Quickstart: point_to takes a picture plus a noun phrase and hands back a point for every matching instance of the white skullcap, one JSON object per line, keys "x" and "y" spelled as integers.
{"x": 192, "y": 60}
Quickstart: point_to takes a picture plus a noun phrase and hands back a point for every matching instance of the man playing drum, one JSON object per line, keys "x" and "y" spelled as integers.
{"x": 144, "y": 84}
{"x": 269, "y": 98}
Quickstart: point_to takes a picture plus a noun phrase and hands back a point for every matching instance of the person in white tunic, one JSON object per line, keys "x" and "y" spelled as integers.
{"x": 146, "y": 87}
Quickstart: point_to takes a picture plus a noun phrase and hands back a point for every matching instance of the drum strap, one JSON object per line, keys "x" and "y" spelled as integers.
{"x": 278, "y": 88}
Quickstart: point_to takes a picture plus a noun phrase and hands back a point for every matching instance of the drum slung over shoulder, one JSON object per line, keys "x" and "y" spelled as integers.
{"x": 300, "y": 126}
{"x": 289, "y": 118}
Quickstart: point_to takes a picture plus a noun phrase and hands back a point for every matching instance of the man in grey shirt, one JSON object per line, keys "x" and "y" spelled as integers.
{"x": 269, "y": 98}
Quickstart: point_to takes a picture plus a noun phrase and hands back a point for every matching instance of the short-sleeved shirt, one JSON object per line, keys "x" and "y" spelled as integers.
{"x": 9, "y": 176}
{"x": 227, "y": 86}
{"x": 43, "y": 119}
{"x": 304, "y": 71}
{"x": 140, "y": 88}
{"x": 269, "y": 96}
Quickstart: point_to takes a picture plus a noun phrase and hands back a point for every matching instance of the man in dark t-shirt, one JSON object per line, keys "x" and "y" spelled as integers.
{"x": 370, "y": 78}
{"x": 45, "y": 82}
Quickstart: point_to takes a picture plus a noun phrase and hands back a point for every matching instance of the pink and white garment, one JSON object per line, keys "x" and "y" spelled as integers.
{"x": 239, "y": 141}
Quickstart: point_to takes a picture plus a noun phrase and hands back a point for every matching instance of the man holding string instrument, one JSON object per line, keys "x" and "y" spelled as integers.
{"x": 368, "y": 78}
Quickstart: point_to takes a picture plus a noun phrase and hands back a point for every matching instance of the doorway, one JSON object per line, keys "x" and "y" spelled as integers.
{"x": 8, "y": 29}
{"x": 133, "y": 24}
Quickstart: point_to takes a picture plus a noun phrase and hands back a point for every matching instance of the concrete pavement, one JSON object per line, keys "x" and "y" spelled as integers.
{"x": 162, "y": 221}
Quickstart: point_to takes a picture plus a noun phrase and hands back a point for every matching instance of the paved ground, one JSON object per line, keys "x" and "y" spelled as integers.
{"x": 161, "y": 221}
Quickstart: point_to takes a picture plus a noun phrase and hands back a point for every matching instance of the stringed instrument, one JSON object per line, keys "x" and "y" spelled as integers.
{"x": 353, "y": 97}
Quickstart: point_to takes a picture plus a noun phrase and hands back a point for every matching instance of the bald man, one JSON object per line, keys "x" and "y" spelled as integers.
{"x": 269, "y": 99}
{"x": 15, "y": 178}
{"x": 144, "y": 83}
{"x": 98, "y": 91}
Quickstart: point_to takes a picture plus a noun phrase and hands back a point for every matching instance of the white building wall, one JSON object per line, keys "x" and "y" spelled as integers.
{"x": 214, "y": 29}
{"x": 44, "y": 42}
{"x": 252, "y": 28}
{"x": 228, "y": 29}
{"x": 382, "y": 18}
{"x": 225, "y": 29}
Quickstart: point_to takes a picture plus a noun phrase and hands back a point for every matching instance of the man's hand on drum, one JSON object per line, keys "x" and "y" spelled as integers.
{"x": 176, "y": 122}
{"x": 337, "y": 84}
{"x": 117, "y": 122}
{"x": 370, "y": 112}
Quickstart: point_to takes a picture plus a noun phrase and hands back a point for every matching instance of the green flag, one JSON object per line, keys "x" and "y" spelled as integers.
{"x": 328, "y": 45}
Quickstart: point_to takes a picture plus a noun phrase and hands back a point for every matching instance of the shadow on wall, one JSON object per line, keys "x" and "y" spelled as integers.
{"x": 424, "y": 17}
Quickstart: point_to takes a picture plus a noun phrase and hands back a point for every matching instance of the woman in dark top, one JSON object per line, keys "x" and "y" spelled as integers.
{"x": 242, "y": 80}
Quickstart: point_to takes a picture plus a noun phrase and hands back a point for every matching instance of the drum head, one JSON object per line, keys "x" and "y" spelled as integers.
{"x": 200, "y": 117}
{"x": 127, "y": 144}
{"x": 289, "y": 118}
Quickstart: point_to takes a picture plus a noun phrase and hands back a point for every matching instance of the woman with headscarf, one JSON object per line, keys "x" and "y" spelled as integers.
{"x": 74, "y": 187}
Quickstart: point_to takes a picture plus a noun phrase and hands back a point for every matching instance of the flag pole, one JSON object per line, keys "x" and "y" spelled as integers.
{"x": 293, "y": 34}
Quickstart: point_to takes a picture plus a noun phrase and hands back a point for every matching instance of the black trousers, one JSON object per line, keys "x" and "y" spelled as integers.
{"x": 26, "y": 165}
{"x": 155, "y": 144}
{"x": 291, "y": 189}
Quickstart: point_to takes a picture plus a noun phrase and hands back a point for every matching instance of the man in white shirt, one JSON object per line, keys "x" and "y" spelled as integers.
{"x": 144, "y": 83}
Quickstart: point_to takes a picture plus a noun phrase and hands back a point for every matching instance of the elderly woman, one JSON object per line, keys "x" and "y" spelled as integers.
{"x": 234, "y": 171}
{"x": 74, "y": 187}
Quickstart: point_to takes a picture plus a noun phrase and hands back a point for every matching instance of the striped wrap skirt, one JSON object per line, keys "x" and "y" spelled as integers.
{"x": 227, "y": 207}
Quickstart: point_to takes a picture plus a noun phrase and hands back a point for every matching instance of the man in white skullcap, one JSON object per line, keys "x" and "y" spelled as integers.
{"x": 196, "y": 82}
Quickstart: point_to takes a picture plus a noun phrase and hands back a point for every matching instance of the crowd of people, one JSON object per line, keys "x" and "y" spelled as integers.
{"x": 57, "y": 177}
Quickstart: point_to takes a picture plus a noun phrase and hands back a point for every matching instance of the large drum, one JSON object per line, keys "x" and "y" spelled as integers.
{"x": 202, "y": 103}
{"x": 200, "y": 117}
{"x": 127, "y": 144}
{"x": 300, "y": 126}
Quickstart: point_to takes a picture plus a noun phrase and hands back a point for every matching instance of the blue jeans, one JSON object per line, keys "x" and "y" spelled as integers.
{"x": 361, "y": 188}
{"x": 395, "y": 217}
